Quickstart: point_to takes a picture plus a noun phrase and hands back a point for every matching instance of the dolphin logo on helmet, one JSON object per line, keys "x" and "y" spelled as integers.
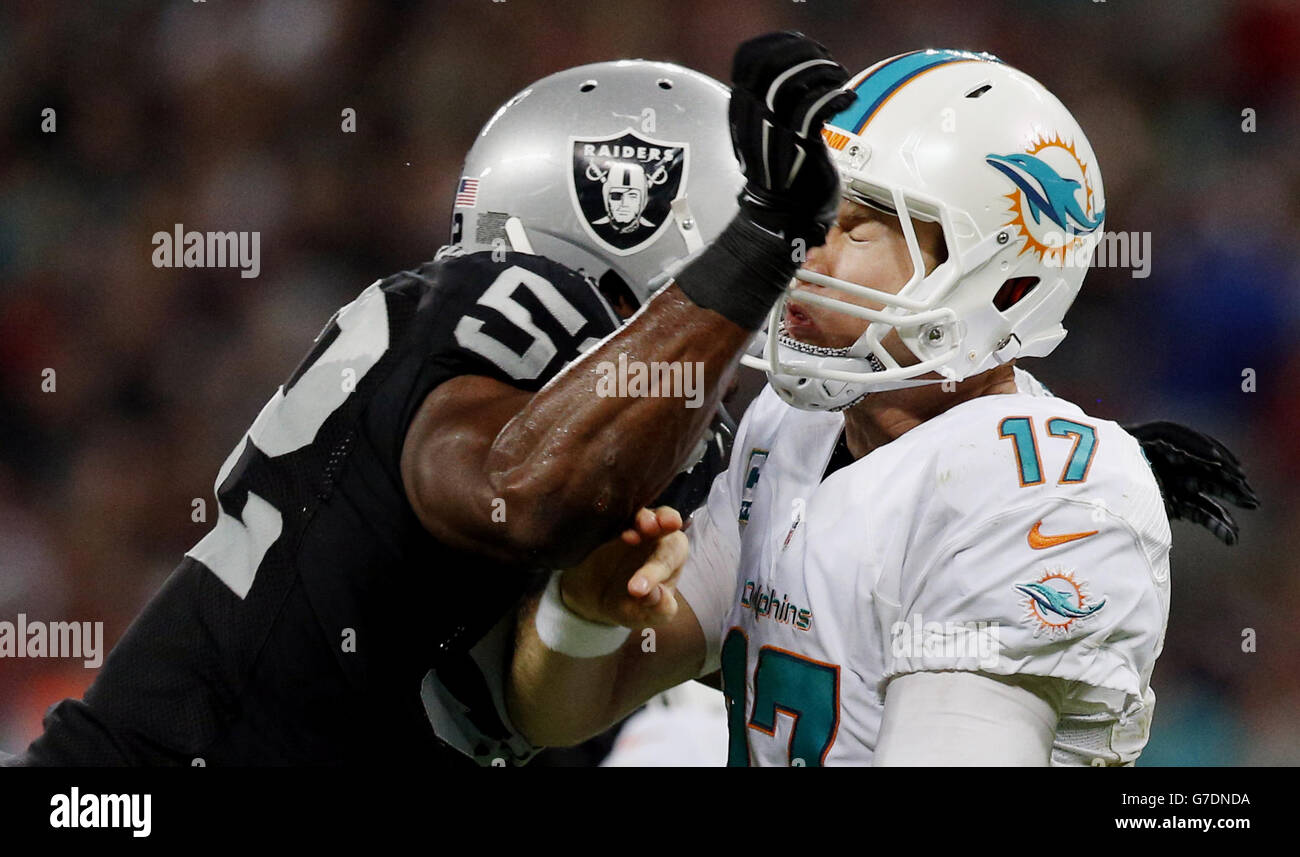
{"x": 1057, "y": 199}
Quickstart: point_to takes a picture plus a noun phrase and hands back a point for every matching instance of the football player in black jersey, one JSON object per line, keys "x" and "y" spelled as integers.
{"x": 395, "y": 497}
{"x": 432, "y": 455}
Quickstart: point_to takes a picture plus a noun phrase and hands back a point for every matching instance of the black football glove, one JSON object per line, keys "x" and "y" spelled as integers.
{"x": 784, "y": 85}
{"x": 1192, "y": 470}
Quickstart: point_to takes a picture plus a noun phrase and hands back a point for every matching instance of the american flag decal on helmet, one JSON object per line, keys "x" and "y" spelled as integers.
{"x": 466, "y": 193}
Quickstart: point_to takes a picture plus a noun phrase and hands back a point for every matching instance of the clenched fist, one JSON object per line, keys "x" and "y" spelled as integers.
{"x": 784, "y": 86}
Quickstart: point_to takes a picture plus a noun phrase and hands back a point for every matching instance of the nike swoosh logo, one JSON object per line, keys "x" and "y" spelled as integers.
{"x": 1038, "y": 541}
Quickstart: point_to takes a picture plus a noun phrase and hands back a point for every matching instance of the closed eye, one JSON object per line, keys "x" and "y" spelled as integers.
{"x": 860, "y": 234}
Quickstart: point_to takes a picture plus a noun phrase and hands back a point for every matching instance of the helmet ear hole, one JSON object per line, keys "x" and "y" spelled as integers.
{"x": 1013, "y": 291}
{"x": 618, "y": 294}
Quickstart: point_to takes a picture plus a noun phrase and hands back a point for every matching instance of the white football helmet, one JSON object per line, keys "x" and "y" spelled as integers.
{"x": 961, "y": 139}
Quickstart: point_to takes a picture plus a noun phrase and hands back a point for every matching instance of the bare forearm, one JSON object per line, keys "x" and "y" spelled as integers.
{"x": 556, "y": 700}
{"x": 582, "y": 460}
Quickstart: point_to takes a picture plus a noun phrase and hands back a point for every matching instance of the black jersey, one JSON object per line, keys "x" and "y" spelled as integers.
{"x": 302, "y": 628}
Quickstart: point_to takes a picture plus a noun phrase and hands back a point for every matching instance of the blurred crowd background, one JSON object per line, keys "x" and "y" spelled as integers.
{"x": 226, "y": 116}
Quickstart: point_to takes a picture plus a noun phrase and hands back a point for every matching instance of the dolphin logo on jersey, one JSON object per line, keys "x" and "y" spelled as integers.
{"x": 1054, "y": 204}
{"x": 1056, "y": 601}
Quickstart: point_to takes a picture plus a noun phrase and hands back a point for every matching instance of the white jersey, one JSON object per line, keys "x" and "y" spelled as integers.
{"x": 1012, "y": 535}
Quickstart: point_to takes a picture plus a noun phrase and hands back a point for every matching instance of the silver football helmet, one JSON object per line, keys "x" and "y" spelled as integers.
{"x": 622, "y": 167}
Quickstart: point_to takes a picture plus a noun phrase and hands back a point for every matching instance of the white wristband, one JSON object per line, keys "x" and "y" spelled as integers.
{"x": 564, "y": 631}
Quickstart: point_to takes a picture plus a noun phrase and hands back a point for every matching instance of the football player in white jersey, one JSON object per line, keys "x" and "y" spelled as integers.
{"x": 918, "y": 554}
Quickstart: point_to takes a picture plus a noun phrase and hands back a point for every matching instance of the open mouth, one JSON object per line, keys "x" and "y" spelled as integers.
{"x": 797, "y": 320}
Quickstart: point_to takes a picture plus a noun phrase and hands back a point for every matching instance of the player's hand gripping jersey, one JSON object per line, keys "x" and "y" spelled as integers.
{"x": 300, "y": 628}
{"x": 1013, "y": 535}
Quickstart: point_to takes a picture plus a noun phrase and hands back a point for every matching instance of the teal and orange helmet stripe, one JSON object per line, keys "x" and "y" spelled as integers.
{"x": 880, "y": 83}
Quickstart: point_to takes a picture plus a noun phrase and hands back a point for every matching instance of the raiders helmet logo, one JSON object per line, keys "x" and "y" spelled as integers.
{"x": 624, "y": 187}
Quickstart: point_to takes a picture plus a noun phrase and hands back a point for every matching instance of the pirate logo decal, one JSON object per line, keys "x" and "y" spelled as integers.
{"x": 624, "y": 187}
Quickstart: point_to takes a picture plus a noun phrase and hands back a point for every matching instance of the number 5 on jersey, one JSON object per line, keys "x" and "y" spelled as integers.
{"x": 500, "y": 296}
{"x": 354, "y": 340}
